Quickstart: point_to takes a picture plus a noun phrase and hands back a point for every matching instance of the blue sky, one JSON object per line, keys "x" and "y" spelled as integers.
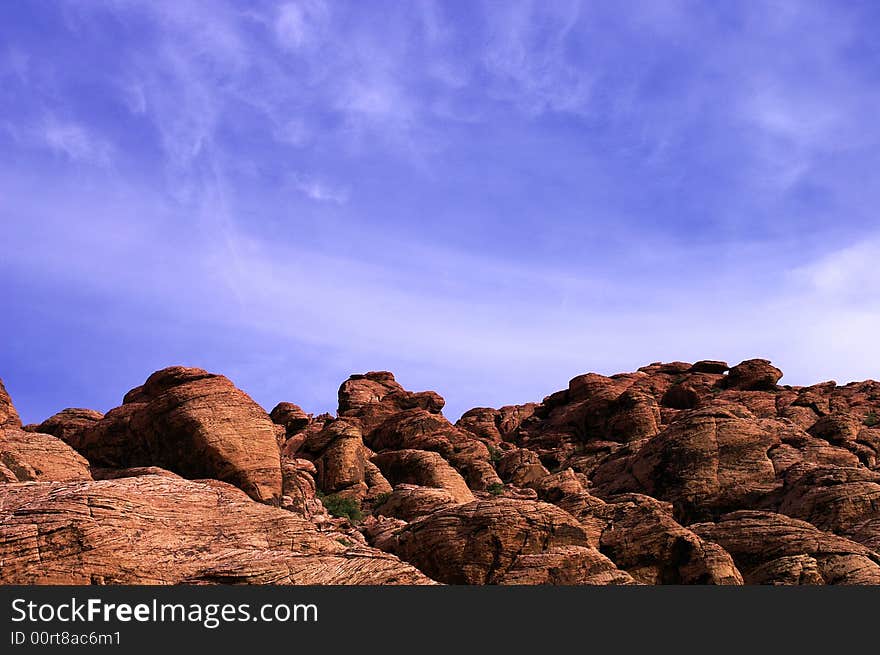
{"x": 485, "y": 198}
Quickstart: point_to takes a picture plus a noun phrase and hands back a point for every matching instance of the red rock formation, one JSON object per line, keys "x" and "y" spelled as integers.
{"x": 495, "y": 425}
{"x": 167, "y": 530}
{"x": 639, "y": 534}
{"x": 425, "y": 468}
{"x": 27, "y": 456}
{"x": 771, "y": 548}
{"x": 8, "y": 416}
{"x": 409, "y": 501}
{"x": 521, "y": 467}
{"x": 342, "y": 461}
{"x": 502, "y": 541}
{"x": 677, "y": 473}
{"x": 374, "y": 396}
{"x": 712, "y": 460}
{"x": 291, "y": 417}
{"x": 298, "y": 487}
{"x": 753, "y": 375}
{"x": 30, "y": 455}
{"x": 194, "y": 423}
{"x": 70, "y": 424}
{"x": 843, "y": 500}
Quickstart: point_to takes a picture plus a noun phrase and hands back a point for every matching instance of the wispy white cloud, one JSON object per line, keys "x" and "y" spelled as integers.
{"x": 527, "y": 56}
{"x": 69, "y": 139}
{"x": 252, "y": 104}
{"x": 846, "y": 276}
{"x": 301, "y": 24}
{"x": 318, "y": 189}
{"x": 75, "y": 141}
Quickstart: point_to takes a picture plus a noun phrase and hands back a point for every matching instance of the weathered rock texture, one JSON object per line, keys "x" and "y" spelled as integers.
{"x": 503, "y": 541}
{"x": 8, "y": 415}
{"x": 70, "y": 424}
{"x": 191, "y": 422}
{"x": 31, "y": 456}
{"x": 678, "y": 473}
{"x": 166, "y": 530}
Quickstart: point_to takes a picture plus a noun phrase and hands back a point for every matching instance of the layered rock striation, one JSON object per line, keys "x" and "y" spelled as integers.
{"x": 678, "y": 473}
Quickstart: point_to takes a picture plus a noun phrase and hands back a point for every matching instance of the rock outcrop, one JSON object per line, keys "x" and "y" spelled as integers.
{"x": 424, "y": 468}
{"x": 639, "y": 534}
{"x": 166, "y": 530}
{"x": 194, "y": 423}
{"x": 374, "y": 396}
{"x": 502, "y": 541}
{"x": 771, "y": 548}
{"x": 8, "y": 416}
{"x": 70, "y": 424}
{"x": 677, "y": 473}
{"x": 710, "y": 460}
{"x": 753, "y": 375}
{"x": 32, "y": 456}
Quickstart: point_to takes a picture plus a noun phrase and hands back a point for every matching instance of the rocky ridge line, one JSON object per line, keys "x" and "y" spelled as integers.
{"x": 678, "y": 473}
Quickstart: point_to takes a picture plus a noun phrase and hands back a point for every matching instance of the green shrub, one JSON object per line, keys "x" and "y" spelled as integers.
{"x": 495, "y": 454}
{"x": 381, "y": 499}
{"x": 871, "y": 420}
{"x": 340, "y": 507}
{"x": 496, "y": 488}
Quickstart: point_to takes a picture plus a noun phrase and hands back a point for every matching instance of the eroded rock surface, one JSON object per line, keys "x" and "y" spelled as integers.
{"x": 194, "y": 423}
{"x": 166, "y": 530}
{"x": 677, "y": 473}
{"x": 498, "y": 541}
{"x": 32, "y": 456}
{"x": 8, "y": 416}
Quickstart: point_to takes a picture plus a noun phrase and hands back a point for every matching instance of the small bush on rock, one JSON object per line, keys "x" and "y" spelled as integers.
{"x": 340, "y": 507}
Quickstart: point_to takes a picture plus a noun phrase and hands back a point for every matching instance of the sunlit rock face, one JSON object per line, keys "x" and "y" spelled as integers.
{"x": 677, "y": 473}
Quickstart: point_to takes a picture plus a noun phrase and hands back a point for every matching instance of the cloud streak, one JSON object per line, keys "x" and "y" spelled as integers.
{"x": 488, "y": 199}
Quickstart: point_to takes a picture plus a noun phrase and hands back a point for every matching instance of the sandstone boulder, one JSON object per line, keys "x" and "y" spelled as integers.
{"x": 70, "y": 424}
{"x": 552, "y": 488}
{"x": 32, "y": 456}
{"x": 299, "y": 491}
{"x": 521, "y": 467}
{"x": 423, "y": 468}
{"x": 373, "y": 397}
{"x": 409, "y": 502}
{"x": 640, "y": 536}
{"x": 291, "y": 417}
{"x": 495, "y": 425}
{"x": 771, "y": 548}
{"x": 8, "y": 416}
{"x": 711, "y": 460}
{"x": 837, "y": 428}
{"x": 194, "y": 423}
{"x": 418, "y": 429}
{"x": 753, "y": 375}
{"x": 565, "y": 565}
{"x": 681, "y": 396}
{"x": 483, "y": 423}
{"x": 798, "y": 447}
{"x": 498, "y": 541}
{"x": 167, "y": 530}
{"x": 342, "y": 463}
{"x": 843, "y": 500}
